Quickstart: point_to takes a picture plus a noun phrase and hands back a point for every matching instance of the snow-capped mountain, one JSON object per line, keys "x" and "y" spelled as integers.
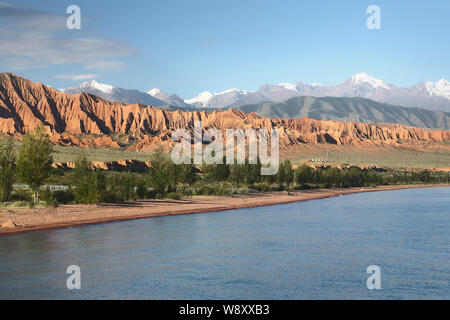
{"x": 440, "y": 88}
{"x": 425, "y": 95}
{"x": 115, "y": 94}
{"x": 360, "y": 85}
{"x": 363, "y": 79}
{"x": 222, "y": 99}
{"x": 92, "y": 85}
{"x": 201, "y": 99}
{"x": 169, "y": 99}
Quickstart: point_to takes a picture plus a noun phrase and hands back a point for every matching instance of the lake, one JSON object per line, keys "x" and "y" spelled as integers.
{"x": 309, "y": 250}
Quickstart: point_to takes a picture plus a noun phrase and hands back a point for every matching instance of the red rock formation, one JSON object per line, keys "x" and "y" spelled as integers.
{"x": 89, "y": 121}
{"x": 119, "y": 165}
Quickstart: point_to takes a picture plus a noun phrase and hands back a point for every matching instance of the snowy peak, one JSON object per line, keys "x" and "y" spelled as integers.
{"x": 202, "y": 98}
{"x": 364, "y": 78}
{"x": 288, "y": 86}
{"x": 105, "y": 88}
{"x": 232, "y": 91}
{"x": 154, "y": 92}
{"x": 170, "y": 99}
{"x": 439, "y": 88}
{"x": 427, "y": 95}
{"x": 114, "y": 94}
{"x": 218, "y": 99}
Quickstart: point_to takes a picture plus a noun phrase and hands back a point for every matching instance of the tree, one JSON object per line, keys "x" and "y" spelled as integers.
{"x": 237, "y": 174}
{"x": 217, "y": 172}
{"x": 126, "y": 187}
{"x": 34, "y": 161}
{"x": 188, "y": 174}
{"x": 303, "y": 175}
{"x": 81, "y": 176}
{"x": 162, "y": 173}
{"x": 7, "y": 168}
{"x": 288, "y": 172}
{"x": 279, "y": 176}
{"x": 89, "y": 183}
{"x": 97, "y": 184}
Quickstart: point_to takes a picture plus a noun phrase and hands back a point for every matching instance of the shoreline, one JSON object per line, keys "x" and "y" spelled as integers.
{"x": 67, "y": 216}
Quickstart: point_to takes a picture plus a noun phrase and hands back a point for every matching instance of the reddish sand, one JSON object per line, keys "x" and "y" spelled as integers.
{"x": 76, "y": 215}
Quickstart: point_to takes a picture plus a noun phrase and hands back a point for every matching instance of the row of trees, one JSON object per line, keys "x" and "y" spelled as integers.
{"x": 32, "y": 163}
{"x": 95, "y": 186}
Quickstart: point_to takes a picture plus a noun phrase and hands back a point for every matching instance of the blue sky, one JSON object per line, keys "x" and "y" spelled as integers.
{"x": 186, "y": 47}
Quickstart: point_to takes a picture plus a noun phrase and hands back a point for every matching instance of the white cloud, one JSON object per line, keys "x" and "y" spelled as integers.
{"x": 36, "y": 39}
{"x": 76, "y": 76}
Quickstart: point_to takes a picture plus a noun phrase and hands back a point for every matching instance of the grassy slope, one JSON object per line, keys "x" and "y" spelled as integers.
{"x": 387, "y": 156}
{"x": 418, "y": 157}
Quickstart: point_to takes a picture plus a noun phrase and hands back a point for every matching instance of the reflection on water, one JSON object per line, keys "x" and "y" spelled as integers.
{"x": 311, "y": 250}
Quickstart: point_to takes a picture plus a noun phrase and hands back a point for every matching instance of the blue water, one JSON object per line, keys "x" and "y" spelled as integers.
{"x": 311, "y": 250}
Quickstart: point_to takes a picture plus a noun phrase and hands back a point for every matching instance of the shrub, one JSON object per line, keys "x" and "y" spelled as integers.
{"x": 151, "y": 194}
{"x": 7, "y": 168}
{"x": 141, "y": 191}
{"x": 174, "y": 195}
{"x": 63, "y": 196}
{"x": 52, "y": 202}
{"x": 106, "y": 196}
{"x": 18, "y": 204}
{"x": 20, "y": 195}
{"x": 262, "y": 187}
{"x": 186, "y": 191}
{"x": 46, "y": 194}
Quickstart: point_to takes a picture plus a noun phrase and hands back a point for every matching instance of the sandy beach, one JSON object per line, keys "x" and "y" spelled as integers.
{"x": 76, "y": 215}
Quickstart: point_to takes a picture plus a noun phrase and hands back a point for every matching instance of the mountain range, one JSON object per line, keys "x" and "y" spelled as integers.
{"x": 86, "y": 120}
{"x": 425, "y": 95}
{"x": 350, "y": 109}
{"x": 356, "y": 99}
{"x": 115, "y": 94}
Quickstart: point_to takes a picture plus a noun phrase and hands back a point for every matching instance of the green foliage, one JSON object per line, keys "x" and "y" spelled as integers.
{"x": 141, "y": 190}
{"x": 174, "y": 195}
{"x": 88, "y": 183}
{"x": 187, "y": 174}
{"x": 303, "y": 174}
{"x": 245, "y": 173}
{"x": 7, "y": 168}
{"x": 34, "y": 160}
{"x": 106, "y": 196}
{"x": 151, "y": 194}
{"x": 126, "y": 187}
{"x": 63, "y": 196}
{"x": 21, "y": 195}
{"x": 285, "y": 173}
{"x": 262, "y": 187}
{"x": 215, "y": 172}
{"x": 163, "y": 174}
{"x": 306, "y": 177}
{"x": 48, "y": 197}
{"x": 82, "y": 176}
